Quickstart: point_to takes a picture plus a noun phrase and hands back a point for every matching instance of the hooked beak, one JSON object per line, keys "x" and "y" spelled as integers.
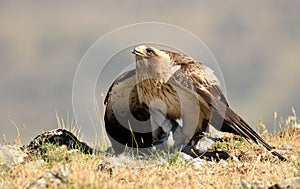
{"x": 139, "y": 51}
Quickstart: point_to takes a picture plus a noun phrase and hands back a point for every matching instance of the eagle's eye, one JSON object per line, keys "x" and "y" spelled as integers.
{"x": 150, "y": 52}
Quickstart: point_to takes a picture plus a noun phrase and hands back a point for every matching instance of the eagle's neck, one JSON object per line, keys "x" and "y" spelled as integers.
{"x": 151, "y": 88}
{"x": 148, "y": 86}
{"x": 159, "y": 69}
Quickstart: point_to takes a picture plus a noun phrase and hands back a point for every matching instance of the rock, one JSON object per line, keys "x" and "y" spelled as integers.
{"x": 286, "y": 147}
{"x": 198, "y": 163}
{"x": 205, "y": 143}
{"x": 185, "y": 157}
{"x": 223, "y": 163}
{"x": 4, "y": 168}
{"x": 59, "y": 137}
{"x": 293, "y": 183}
{"x": 35, "y": 163}
{"x": 234, "y": 158}
{"x": 51, "y": 179}
{"x": 11, "y": 154}
{"x": 251, "y": 185}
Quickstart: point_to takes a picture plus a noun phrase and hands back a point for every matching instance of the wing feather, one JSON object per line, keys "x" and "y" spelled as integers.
{"x": 196, "y": 75}
{"x": 201, "y": 79}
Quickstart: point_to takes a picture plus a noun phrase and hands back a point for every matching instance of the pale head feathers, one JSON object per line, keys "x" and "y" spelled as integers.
{"x": 153, "y": 63}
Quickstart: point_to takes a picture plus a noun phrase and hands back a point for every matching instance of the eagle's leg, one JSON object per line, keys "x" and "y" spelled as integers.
{"x": 179, "y": 136}
{"x": 159, "y": 120}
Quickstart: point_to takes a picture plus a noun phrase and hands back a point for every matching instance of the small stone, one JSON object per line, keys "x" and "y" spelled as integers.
{"x": 135, "y": 170}
{"x": 287, "y": 147}
{"x": 253, "y": 185}
{"x": 288, "y": 183}
{"x": 223, "y": 163}
{"x": 4, "y": 168}
{"x": 11, "y": 154}
{"x": 19, "y": 159}
{"x": 234, "y": 158}
{"x": 51, "y": 179}
{"x": 185, "y": 156}
{"x": 245, "y": 184}
{"x": 198, "y": 163}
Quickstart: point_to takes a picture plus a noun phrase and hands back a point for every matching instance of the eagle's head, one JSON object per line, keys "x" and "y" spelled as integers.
{"x": 153, "y": 63}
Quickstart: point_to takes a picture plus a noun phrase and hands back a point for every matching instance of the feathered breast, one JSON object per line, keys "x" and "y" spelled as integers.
{"x": 151, "y": 90}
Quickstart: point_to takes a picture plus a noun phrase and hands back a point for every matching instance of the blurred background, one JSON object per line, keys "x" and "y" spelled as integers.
{"x": 256, "y": 44}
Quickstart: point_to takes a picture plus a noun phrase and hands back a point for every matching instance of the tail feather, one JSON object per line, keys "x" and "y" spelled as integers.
{"x": 233, "y": 123}
{"x": 239, "y": 126}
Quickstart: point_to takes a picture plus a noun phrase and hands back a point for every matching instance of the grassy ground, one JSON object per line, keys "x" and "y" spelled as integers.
{"x": 255, "y": 165}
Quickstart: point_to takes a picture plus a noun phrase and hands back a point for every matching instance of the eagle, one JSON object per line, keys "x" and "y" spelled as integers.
{"x": 166, "y": 76}
{"x": 181, "y": 89}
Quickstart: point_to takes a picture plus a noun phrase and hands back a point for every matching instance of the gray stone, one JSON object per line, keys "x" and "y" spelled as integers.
{"x": 51, "y": 179}
{"x": 251, "y": 185}
{"x": 11, "y": 154}
{"x": 292, "y": 183}
{"x": 286, "y": 147}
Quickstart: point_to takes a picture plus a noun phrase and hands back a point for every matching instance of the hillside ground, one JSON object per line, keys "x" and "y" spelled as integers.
{"x": 249, "y": 164}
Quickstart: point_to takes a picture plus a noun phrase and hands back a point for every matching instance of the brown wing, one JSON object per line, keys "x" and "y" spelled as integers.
{"x": 197, "y": 74}
{"x": 201, "y": 80}
{"x": 119, "y": 122}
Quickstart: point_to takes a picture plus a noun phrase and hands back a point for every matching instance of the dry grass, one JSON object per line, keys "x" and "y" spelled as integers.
{"x": 255, "y": 165}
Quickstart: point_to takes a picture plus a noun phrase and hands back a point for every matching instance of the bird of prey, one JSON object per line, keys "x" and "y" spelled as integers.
{"x": 181, "y": 88}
